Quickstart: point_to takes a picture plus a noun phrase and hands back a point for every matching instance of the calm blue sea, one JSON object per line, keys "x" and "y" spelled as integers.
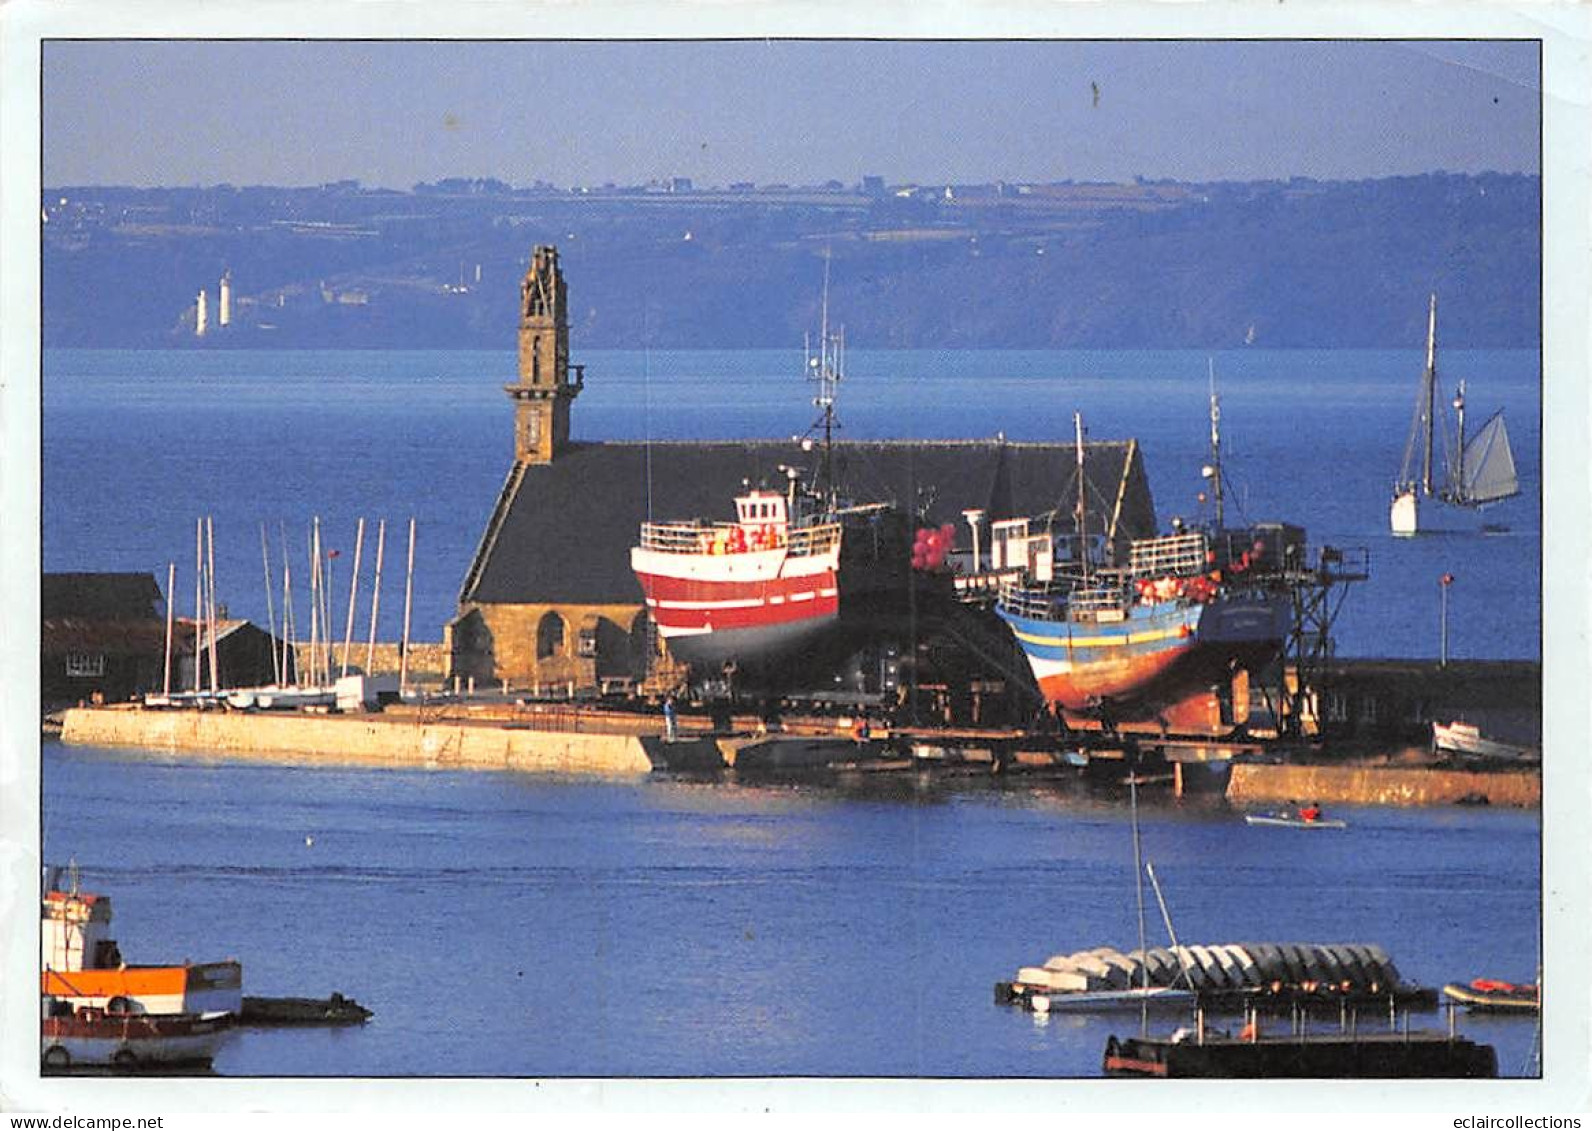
{"x": 508, "y": 924}
{"x": 504, "y": 924}
{"x": 138, "y": 444}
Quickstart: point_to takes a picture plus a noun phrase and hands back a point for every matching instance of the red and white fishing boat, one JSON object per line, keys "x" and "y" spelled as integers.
{"x": 96, "y": 1009}
{"x": 796, "y": 581}
{"x": 759, "y": 586}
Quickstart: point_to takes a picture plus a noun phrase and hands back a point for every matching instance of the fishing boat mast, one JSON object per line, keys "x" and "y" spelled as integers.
{"x": 825, "y": 368}
{"x": 1081, "y": 511}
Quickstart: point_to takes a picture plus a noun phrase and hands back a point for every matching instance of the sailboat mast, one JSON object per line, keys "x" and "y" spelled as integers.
{"x": 1081, "y": 514}
{"x": 315, "y": 601}
{"x": 353, "y": 598}
{"x": 409, "y": 593}
{"x": 171, "y": 605}
{"x": 1431, "y": 394}
{"x": 375, "y": 596}
{"x": 1457, "y": 487}
{"x": 210, "y": 589}
{"x": 1138, "y": 891}
{"x": 270, "y": 610}
{"x": 198, "y": 599}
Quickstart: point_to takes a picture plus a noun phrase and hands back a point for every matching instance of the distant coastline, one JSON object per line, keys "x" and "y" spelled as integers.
{"x": 1145, "y": 265}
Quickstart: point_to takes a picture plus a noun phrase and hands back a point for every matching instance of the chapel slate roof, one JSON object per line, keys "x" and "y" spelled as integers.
{"x": 562, "y": 532}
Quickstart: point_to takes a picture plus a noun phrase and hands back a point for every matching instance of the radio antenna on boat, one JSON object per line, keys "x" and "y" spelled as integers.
{"x": 826, "y": 369}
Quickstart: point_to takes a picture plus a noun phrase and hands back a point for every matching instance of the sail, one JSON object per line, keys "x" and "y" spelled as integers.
{"x": 1489, "y": 465}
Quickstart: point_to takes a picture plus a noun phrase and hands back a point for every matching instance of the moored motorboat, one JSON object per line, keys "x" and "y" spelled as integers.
{"x": 1466, "y": 741}
{"x": 76, "y": 1036}
{"x": 98, "y": 1010}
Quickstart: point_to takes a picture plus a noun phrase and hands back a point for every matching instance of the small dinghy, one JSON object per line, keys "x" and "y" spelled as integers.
{"x": 1485, "y": 995}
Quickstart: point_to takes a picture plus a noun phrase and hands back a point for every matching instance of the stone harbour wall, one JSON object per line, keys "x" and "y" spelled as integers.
{"x": 359, "y": 740}
{"x": 1381, "y": 785}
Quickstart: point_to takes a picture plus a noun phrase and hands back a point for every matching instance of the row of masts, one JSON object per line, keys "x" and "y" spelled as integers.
{"x": 319, "y": 659}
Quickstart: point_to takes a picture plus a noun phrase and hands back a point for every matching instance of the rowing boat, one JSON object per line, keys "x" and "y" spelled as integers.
{"x": 1287, "y": 821}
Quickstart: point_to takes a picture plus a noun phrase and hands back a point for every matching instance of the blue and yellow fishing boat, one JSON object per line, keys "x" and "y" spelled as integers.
{"x": 1185, "y": 612}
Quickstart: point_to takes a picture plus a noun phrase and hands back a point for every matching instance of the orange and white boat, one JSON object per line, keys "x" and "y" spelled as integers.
{"x": 95, "y": 1003}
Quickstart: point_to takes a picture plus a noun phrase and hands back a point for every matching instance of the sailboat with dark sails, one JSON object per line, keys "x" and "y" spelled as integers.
{"x": 1476, "y": 471}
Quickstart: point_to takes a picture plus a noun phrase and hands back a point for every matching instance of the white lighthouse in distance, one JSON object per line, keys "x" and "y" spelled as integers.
{"x": 224, "y": 307}
{"x": 201, "y": 321}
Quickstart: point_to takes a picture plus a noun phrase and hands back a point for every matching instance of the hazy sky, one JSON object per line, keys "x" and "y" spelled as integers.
{"x": 395, "y": 113}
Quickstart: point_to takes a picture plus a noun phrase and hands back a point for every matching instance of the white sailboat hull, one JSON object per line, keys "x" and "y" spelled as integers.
{"x": 1405, "y": 517}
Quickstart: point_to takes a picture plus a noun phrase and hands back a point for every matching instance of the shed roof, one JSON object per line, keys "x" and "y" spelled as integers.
{"x": 99, "y": 596}
{"x": 562, "y": 532}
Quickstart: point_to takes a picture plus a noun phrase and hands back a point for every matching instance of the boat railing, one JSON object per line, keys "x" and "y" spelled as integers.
{"x": 1035, "y": 602}
{"x": 1062, "y": 600}
{"x": 1174, "y": 555}
{"x": 1094, "y": 600}
{"x": 699, "y": 537}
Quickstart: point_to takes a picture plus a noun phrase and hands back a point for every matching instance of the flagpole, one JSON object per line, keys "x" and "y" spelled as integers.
{"x": 1443, "y": 583}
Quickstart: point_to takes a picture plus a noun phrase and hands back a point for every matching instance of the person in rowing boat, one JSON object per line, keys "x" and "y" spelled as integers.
{"x": 1311, "y": 812}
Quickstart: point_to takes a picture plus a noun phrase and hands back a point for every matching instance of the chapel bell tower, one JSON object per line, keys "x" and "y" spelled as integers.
{"x": 543, "y": 394}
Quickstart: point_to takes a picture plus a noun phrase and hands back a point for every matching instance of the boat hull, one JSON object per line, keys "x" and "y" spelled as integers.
{"x": 782, "y": 620}
{"x": 1272, "y": 821}
{"x": 755, "y": 606}
{"x": 1157, "y": 655}
{"x": 1405, "y": 516}
{"x": 1108, "y": 1001}
{"x": 95, "y": 1038}
{"x": 1505, "y": 999}
{"x": 1467, "y": 741}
